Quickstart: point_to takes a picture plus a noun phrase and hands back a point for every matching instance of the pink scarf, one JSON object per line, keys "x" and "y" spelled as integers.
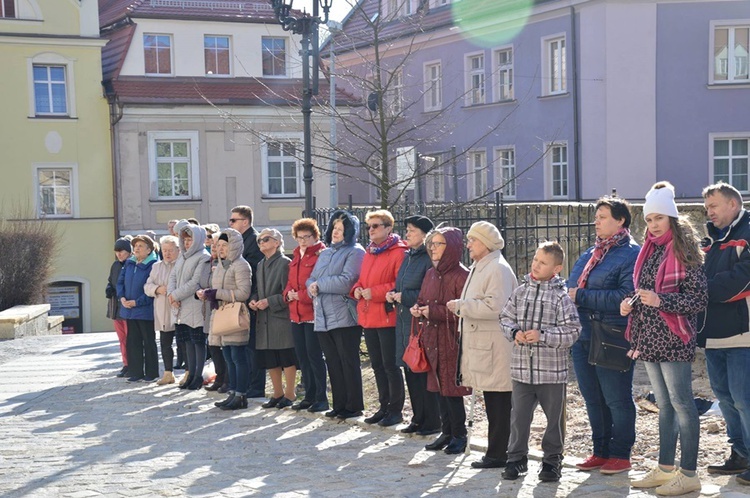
{"x": 669, "y": 276}
{"x": 601, "y": 249}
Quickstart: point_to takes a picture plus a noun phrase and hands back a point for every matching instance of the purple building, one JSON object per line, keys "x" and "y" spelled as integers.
{"x": 558, "y": 100}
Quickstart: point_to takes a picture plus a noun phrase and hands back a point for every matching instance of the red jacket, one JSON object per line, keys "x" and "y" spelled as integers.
{"x": 379, "y": 274}
{"x": 299, "y": 271}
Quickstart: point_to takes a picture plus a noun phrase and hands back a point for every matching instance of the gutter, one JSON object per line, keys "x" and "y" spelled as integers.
{"x": 574, "y": 91}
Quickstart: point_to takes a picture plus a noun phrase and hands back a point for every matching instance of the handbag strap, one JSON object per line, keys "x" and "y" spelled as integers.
{"x": 233, "y": 299}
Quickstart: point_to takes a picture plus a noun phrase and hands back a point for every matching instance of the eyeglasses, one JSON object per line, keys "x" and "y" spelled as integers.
{"x": 375, "y": 226}
{"x": 304, "y": 237}
{"x": 436, "y": 244}
{"x": 235, "y": 220}
{"x": 265, "y": 239}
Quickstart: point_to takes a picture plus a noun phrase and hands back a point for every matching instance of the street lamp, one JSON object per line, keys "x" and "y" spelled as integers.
{"x": 302, "y": 23}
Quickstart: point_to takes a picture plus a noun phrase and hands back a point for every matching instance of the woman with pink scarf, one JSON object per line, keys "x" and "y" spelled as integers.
{"x": 670, "y": 290}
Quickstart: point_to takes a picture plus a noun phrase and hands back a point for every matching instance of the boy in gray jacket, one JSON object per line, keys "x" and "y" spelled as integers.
{"x": 542, "y": 322}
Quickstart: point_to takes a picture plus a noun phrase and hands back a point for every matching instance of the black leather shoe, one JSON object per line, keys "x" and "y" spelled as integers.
{"x": 213, "y": 387}
{"x": 376, "y": 417}
{"x": 186, "y": 384}
{"x": 456, "y": 446}
{"x": 332, "y": 414}
{"x": 223, "y": 389}
{"x": 427, "y": 432}
{"x": 271, "y": 403}
{"x": 550, "y": 472}
{"x": 319, "y": 406}
{"x": 440, "y": 443}
{"x": 226, "y": 401}
{"x": 123, "y": 372}
{"x": 488, "y": 463}
{"x": 302, "y": 405}
{"x": 410, "y": 429}
{"x": 736, "y": 464}
{"x": 391, "y": 419}
{"x": 284, "y": 402}
{"x": 237, "y": 403}
{"x": 514, "y": 469}
{"x": 345, "y": 414}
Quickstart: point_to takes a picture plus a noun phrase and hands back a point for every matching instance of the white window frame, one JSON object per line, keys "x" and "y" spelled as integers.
{"x": 499, "y": 70}
{"x": 73, "y": 169}
{"x": 52, "y": 59}
{"x": 712, "y": 137}
{"x": 471, "y": 169}
{"x": 473, "y": 94}
{"x": 15, "y": 10}
{"x": 400, "y": 8}
{"x": 502, "y": 155}
{"x": 434, "y": 4}
{"x": 194, "y": 166}
{"x": 433, "y": 85}
{"x": 549, "y": 169}
{"x": 231, "y": 66}
{"x": 286, "y": 56}
{"x": 730, "y": 24}
{"x": 549, "y": 80}
{"x": 435, "y": 180}
{"x": 297, "y": 139}
{"x": 394, "y": 95}
{"x": 171, "y": 55}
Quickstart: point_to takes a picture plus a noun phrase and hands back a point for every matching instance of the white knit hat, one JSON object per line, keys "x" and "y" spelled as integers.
{"x": 660, "y": 200}
{"x": 488, "y": 234}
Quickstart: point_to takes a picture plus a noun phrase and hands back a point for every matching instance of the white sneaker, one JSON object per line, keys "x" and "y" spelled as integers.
{"x": 655, "y": 477}
{"x": 679, "y": 485}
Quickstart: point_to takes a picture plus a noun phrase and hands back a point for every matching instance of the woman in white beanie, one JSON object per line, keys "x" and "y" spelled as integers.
{"x": 484, "y": 354}
{"x": 670, "y": 290}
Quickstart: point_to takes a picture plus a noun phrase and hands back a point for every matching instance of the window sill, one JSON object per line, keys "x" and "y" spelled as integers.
{"x": 279, "y": 198}
{"x": 491, "y": 104}
{"x": 176, "y": 201}
{"x": 553, "y": 96}
{"x": 54, "y": 117}
{"x": 728, "y": 86}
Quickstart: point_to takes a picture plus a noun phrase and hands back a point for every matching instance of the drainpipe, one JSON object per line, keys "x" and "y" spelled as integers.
{"x": 115, "y": 115}
{"x": 576, "y": 120}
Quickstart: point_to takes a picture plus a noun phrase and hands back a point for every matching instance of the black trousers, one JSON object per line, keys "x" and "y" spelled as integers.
{"x": 453, "y": 415}
{"x": 143, "y": 359}
{"x": 220, "y": 365}
{"x": 341, "y": 350}
{"x": 381, "y": 344}
{"x": 167, "y": 354}
{"x": 310, "y": 358}
{"x": 498, "y": 405}
{"x": 424, "y": 403}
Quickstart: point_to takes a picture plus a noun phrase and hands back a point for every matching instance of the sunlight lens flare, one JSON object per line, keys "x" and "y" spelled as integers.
{"x": 489, "y": 23}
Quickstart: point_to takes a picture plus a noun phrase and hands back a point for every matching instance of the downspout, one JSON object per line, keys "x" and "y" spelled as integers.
{"x": 115, "y": 115}
{"x": 576, "y": 120}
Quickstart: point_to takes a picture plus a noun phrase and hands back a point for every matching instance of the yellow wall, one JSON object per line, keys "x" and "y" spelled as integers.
{"x": 86, "y": 241}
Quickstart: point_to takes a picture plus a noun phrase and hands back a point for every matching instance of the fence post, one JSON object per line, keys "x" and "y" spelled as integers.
{"x": 350, "y": 203}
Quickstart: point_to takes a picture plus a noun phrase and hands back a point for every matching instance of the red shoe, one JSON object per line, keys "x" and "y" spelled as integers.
{"x": 592, "y": 463}
{"x": 615, "y": 466}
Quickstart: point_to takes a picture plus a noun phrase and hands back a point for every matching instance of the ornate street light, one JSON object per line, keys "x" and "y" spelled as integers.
{"x": 302, "y": 23}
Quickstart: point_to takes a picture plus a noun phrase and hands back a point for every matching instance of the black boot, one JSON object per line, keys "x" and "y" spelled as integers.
{"x": 226, "y": 401}
{"x": 736, "y": 464}
{"x": 456, "y": 446}
{"x": 239, "y": 401}
{"x": 440, "y": 443}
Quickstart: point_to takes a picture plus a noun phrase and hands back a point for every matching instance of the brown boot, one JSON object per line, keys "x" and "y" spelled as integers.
{"x": 168, "y": 378}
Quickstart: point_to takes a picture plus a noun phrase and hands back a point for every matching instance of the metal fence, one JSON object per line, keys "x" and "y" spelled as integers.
{"x": 522, "y": 225}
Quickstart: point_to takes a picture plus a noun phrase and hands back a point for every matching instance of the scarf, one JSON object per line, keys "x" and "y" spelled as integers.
{"x": 601, "y": 248}
{"x": 669, "y": 276}
{"x": 375, "y": 249}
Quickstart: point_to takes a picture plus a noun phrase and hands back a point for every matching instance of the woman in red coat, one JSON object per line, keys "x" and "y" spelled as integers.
{"x": 444, "y": 282}
{"x": 307, "y": 234}
{"x": 377, "y": 317}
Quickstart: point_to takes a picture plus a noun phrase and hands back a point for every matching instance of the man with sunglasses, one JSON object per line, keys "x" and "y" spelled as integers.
{"x": 241, "y": 219}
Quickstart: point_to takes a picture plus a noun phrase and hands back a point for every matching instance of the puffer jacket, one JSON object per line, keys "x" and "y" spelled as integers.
{"x": 231, "y": 275}
{"x": 300, "y": 269}
{"x": 484, "y": 361}
{"x": 378, "y": 274}
{"x": 335, "y": 272}
{"x": 273, "y": 327}
{"x": 192, "y": 268}
{"x": 544, "y": 306}
{"x": 408, "y": 283}
{"x": 608, "y": 284}
{"x": 163, "y": 317}
{"x": 130, "y": 286}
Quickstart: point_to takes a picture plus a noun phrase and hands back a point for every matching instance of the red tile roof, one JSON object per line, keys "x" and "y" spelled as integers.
{"x": 258, "y": 11}
{"x": 113, "y": 53}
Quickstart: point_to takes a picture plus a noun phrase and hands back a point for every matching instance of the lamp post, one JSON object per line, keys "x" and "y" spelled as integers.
{"x": 302, "y": 23}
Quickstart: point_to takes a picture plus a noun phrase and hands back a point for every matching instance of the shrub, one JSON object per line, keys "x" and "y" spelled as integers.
{"x": 27, "y": 252}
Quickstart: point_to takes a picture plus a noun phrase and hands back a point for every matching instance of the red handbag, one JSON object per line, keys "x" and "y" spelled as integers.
{"x": 414, "y": 356}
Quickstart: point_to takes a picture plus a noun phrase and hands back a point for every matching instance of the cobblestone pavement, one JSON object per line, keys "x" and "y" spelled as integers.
{"x": 70, "y": 428}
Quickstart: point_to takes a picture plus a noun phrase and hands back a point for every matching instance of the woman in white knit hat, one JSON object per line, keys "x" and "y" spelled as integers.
{"x": 670, "y": 291}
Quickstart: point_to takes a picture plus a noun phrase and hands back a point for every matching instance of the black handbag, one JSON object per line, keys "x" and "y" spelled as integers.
{"x": 609, "y": 348}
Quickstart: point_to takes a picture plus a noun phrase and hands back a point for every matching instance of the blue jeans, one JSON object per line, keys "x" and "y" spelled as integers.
{"x": 237, "y": 368}
{"x": 729, "y": 371}
{"x": 609, "y": 403}
{"x": 673, "y": 386}
{"x": 310, "y": 357}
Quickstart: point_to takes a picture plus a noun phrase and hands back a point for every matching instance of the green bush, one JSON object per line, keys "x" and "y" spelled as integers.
{"x": 27, "y": 252}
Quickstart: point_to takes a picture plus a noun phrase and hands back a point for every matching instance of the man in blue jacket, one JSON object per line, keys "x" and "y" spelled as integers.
{"x": 726, "y": 328}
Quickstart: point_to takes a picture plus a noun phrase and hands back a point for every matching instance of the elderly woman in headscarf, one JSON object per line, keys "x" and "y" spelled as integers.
{"x": 274, "y": 341}
{"x": 485, "y": 353}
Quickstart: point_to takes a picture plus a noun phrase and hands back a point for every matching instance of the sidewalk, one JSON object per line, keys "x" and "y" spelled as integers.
{"x": 71, "y": 428}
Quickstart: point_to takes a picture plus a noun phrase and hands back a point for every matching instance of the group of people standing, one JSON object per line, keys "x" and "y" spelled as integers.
{"x": 480, "y": 329}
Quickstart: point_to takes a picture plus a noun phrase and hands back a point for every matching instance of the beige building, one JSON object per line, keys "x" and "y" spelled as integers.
{"x": 54, "y": 134}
